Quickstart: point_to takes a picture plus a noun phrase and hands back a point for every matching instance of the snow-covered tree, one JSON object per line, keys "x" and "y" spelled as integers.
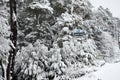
{"x": 57, "y": 39}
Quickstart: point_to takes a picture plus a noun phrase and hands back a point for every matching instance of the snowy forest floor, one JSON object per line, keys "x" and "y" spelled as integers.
{"x": 109, "y": 71}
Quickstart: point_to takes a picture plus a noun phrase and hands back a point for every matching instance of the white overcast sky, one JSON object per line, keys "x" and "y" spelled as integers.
{"x": 113, "y": 5}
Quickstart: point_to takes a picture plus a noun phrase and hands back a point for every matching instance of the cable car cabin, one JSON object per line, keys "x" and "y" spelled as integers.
{"x": 78, "y": 32}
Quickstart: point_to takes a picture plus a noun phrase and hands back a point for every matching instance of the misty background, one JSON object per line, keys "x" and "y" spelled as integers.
{"x": 113, "y": 5}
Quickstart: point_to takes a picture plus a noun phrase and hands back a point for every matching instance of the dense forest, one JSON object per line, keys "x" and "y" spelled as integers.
{"x": 55, "y": 39}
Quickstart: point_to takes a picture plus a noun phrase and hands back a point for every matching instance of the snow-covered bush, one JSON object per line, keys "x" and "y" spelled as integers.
{"x": 108, "y": 46}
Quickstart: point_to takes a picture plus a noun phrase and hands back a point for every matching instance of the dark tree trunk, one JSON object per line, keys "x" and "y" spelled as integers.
{"x": 13, "y": 38}
{"x": 1, "y": 64}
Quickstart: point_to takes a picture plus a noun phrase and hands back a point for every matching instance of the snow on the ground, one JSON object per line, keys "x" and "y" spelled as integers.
{"x": 107, "y": 72}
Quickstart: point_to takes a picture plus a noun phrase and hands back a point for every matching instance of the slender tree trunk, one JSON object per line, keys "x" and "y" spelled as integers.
{"x": 1, "y": 64}
{"x": 37, "y": 18}
{"x": 13, "y": 38}
{"x": 118, "y": 39}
